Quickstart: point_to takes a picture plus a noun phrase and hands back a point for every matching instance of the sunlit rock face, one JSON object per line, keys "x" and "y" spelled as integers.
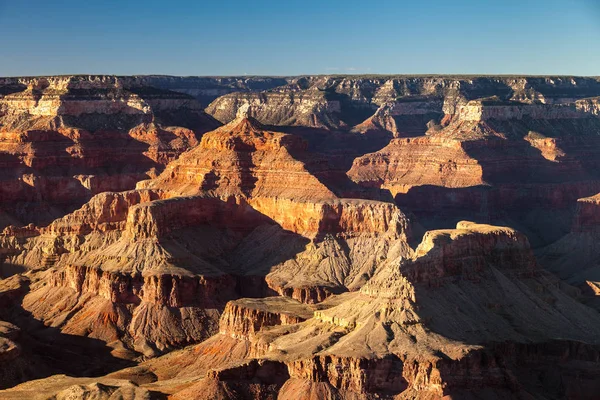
{"x": 64, "y": 139}
{"x": 300, "y": 237}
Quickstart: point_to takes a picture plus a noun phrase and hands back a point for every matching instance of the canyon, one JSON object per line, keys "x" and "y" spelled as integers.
{"x": 310, "y": 237}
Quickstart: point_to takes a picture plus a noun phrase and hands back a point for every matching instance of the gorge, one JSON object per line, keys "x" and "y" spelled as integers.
{"x": 307, "y": 237}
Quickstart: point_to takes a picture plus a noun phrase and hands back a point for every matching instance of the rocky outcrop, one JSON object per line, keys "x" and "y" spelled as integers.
{"x": 344, "y": 217}
{"x": 243, "y": 158}
{"x": 243, "y": 318}
{"x": 165, "y": 290}
{"x": 391, "y": 346}
{"x": 574, "y": 256}
{"x": 414, "y": 344}
{"x": 421, "y": 161}
{"x": 62, "y": 387}
{"x": 67, "y": 138}
{"x": 151, "y": 314}
{"x": 408, "y": 117}
{"x": 587, "y": 216}
{"x": 446, "y": 253}
{"x": 156, "y": 219}
{"x": 402, "y": 106}
{"x": 491, "y": 155}
{"x": 245, "y": 249}
{"x": 313, "y": 108}
{"x": 495, "y": 109}
{"x": 207, "y": 89}
{"x": 105, "y": 211}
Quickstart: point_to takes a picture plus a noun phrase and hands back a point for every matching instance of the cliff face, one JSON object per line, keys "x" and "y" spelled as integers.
{"x": 207, "y": 89}
{"x": 243, "y": 158}
{"x": 64, "y": 139}
{"x": 490, "y": 156}
{"x": 487, "y": 139}
{"x": 399, "y": 105}
{"x": 402, "y": 336}
{"x": 387, "y": 342}
{"x": 574, "y": 256}
{"x": 587, "y": 217}
{"x": 276, "y": 274}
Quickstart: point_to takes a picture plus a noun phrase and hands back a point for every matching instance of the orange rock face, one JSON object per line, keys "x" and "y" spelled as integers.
{"x": 316, "y": 246}
{"x": 243, "y": 158}
{"x": 64, "y": 139}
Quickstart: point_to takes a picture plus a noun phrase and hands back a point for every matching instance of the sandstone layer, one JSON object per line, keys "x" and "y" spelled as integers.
{"x": 64, "y": 139}
{"x": 314, "y": 247}
{"x": 151, "y": 269}
{"x": 403, "y": 334}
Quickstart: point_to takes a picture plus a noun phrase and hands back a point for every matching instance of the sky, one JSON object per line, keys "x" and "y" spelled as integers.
{"x": 292, "y": 37}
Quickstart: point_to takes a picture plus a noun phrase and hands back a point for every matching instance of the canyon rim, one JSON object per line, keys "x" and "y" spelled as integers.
{"x": 300, "y": 200}
{"x": 313, "y": 237}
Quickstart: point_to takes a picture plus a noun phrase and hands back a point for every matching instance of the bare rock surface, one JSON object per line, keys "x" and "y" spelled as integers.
{"x": 64, "y": 139}
{"x": 318, "y": 245}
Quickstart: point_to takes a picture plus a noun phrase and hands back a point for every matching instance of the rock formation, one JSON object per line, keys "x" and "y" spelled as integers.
{"x": 64, "y": 139}
{"x": 314, "y": 246}
{"x": 127, "y": 267}
{"x": 574, "y": 257}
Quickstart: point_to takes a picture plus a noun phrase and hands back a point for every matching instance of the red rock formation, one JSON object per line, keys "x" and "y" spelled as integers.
{"x": 405, "y": 163}
{"x": 251, "y": 211}
{"x": 65, "y": 139}
{"x": 105, "y": 211}
{"x": 445, "y": 253}
{"x": 503, "y": 160}
{"x": 243, "y": 318}
{"x": 242, "y": 158}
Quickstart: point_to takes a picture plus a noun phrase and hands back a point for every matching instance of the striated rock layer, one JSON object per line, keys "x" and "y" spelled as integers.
{"x": 399, "y": 105}
{"x": 500, "y": 161}
{"x": 152, "y": 268}
{"x": 64, "y": 139}
{"x": 403, "y": 334}
{"x": 252, "y": 266}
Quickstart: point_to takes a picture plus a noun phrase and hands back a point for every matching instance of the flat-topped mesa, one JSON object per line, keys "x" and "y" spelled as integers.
{"x": 243, "y": 158}
{"x": 496, "y": 109}
{"x": 587, "y": 216}
{"x": 408, "y": 162}
{"x": 465, "y": 252}
{"x": 492, "y": 164}
{"x": 105, "y": 211}
{"x": 345, "y": 218}
{"x": 156, "y": 219}
{"x": 243, "y": 318}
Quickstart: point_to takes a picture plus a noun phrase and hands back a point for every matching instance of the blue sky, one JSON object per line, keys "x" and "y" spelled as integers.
{"x": 299, "y": 37}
